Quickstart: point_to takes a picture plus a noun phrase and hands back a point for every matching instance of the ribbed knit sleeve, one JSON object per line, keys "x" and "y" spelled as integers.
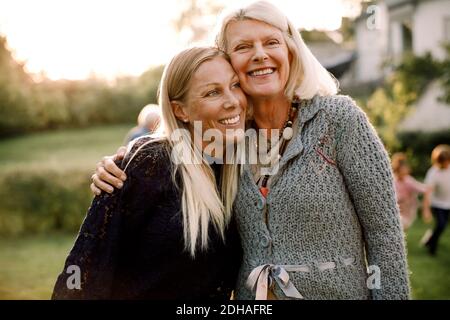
{"x": 365, "y": 165}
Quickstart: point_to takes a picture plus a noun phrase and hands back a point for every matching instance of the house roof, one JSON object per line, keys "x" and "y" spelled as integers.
{"x": 334, "y": 57}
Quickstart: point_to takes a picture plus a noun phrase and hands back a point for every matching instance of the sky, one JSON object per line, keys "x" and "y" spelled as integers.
{"x": 74, "y": 39}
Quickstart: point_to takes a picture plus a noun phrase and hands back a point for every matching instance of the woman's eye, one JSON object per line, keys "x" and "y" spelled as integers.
{"x": 273, "y": 42}
{"x": 212, "y": 93}
{"x": 242, "y": 47}
{"x": 236, "y": 85}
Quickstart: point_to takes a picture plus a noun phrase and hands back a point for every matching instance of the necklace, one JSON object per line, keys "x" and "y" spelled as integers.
{"x": 286, "y": 135}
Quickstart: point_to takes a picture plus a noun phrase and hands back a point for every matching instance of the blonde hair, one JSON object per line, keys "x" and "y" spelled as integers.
{"x": 202, "y": 204}
{"x": 148, "y": 115}
{"x": 307, "y": 77}
{"x": 440, "y": 155}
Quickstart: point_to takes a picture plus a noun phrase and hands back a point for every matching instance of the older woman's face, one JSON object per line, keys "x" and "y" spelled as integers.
{"x": 259, "y": 56}
{"x": 216, "y": 99}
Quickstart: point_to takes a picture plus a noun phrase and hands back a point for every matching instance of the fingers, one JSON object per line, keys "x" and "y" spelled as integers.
{"x": 114, "y": 170}
{"x": 107, "y": 174}
{"x": 100, "y": 184}
{"x": 95, "y": 190}
{"x": 120, "y": 153}
{"x": 108, "y": 178}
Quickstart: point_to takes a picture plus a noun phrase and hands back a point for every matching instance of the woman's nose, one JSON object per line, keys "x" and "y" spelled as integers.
{"x": 231, "y": 101}
{"x": 259, "y": 54}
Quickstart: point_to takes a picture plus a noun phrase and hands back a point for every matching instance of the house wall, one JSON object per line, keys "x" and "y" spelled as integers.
{"x": 431, "y": 27}
{"x": 429, "y": 113}
{"x": 371, "y": 45}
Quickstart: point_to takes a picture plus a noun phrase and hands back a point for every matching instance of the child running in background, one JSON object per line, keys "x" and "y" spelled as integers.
{"x": 438, "y": 179}
{"x": 407, "y": 189}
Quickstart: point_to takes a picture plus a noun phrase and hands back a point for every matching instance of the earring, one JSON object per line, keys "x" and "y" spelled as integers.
{"x": 185, "y": 120}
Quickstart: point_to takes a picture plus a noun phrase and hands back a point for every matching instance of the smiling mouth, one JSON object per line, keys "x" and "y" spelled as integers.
{"x": 230, "y": 121}
{"x": 261, "y": 72}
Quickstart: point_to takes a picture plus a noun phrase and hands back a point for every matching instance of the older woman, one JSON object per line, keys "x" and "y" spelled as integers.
{"x": 167, "y": 234}
{"x": 313, "y": 224}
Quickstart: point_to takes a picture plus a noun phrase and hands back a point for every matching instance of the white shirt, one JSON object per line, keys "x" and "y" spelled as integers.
{"x": 439, "y": 179}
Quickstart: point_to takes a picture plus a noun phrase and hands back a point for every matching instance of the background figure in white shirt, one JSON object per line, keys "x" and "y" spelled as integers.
{"x": 438, "y": 178}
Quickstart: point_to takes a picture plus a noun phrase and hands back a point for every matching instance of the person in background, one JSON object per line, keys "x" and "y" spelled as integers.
{"x": 407, "y": 188}
{"x": 438, "y": 179}
{"x": 148, "y": 122}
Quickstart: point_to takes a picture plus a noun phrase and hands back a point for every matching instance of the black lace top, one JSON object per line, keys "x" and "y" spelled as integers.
{"x": 131, "y": 245}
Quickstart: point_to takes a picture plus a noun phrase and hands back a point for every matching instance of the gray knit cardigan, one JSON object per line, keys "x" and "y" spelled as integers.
{"x": 331, "y": 209}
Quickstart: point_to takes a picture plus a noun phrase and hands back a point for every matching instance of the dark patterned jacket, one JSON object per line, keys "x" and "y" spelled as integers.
{"x": 131, "y": 245}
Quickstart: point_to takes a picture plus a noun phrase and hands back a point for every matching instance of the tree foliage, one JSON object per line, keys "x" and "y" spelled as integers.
{"x": 196, "y": 18}
{"x": 27, "y": 106}
{"x": 389, "y": 105}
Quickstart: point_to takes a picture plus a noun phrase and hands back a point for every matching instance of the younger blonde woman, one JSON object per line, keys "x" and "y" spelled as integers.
{"x": 168, "y": 233}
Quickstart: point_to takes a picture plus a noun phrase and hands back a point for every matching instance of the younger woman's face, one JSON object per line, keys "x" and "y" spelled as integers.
{"x": 216, "y": 99}
{"x": 260, "y": 57}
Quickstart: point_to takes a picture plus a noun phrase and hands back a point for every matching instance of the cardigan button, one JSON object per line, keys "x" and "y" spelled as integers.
{"x": 265, "y": 241}
{"x": 260, "y": 204}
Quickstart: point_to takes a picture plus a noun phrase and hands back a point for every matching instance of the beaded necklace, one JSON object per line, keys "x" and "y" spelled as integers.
{"x": 286, "y": 135}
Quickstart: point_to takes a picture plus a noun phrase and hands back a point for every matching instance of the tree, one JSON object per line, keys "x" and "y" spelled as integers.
{"x": 388, "y": 105}
{"x": 15, "y": 86}
{"x": 196, "y": 18}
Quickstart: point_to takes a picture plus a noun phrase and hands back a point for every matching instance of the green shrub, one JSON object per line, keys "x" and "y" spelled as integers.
{"x": 36, "y": 202}
{"x": 388, "y": 105}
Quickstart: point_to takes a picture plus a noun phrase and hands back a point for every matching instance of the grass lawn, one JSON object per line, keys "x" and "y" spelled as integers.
{"x": 29, "y": 265}
{"x": 430, "y": 278}
{"x": 61, "y": 150}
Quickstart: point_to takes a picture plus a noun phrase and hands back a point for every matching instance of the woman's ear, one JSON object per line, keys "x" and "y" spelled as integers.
{"x": 179, "y": 111}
